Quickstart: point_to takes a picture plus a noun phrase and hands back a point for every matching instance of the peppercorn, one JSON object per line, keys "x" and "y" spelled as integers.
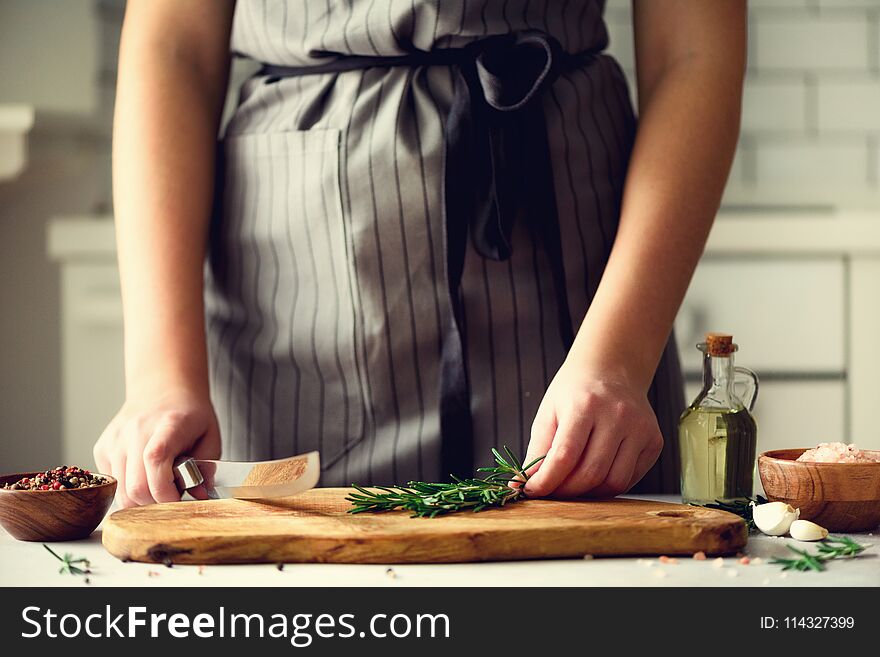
{"x": 59, "y": 478}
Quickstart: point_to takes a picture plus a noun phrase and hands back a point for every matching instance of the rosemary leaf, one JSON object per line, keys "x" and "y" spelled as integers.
{"x": 833, "y": 547}
{"x": 743, "y": 508}
{"x": 69, "y": 564}
{"x": 429, "y": 500}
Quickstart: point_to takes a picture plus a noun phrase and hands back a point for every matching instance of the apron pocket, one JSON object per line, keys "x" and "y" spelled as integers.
{"x": 279, "y": 300}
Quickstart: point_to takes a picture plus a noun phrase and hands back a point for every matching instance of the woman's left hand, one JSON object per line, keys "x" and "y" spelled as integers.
{"x": 599, "y": 433}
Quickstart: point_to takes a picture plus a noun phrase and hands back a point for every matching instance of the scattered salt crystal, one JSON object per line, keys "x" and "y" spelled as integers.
{"x": 718, "y": 563}
{"x": 700, "y": 556}
{"x": 645, "y": 562}
{"x": 745, "y": 561}
{"x": 732, "y": 573}
{"x": 765, "y": 581}
{"x": 668, "y": 560}
{"x": 783, "y": 575}
{"x": 660, "y": 574}
{"x": 757, "y": 561}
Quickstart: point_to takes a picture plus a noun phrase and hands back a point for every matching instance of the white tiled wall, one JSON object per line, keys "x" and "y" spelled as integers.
{"x": 811, "y": 112}
{"x": 849, "y": 105}
{"x": 803, "y": 41}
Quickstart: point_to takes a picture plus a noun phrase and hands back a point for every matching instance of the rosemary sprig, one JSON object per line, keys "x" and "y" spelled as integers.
{"x": 69, "y": 565}
{"x": 833, "y": 547}
{"x": 741, "y": 508}
{"x": 428, "y": 500}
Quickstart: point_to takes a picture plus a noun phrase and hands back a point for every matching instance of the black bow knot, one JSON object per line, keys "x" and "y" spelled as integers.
{"x": 496, "y": 101}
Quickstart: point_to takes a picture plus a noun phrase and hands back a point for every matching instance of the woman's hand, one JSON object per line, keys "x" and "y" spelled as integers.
{"x": 595, "y": 423}
{"x": 599, "y": 433}
{"x": 140, "y": 444}
{"x": 172, "y": 55}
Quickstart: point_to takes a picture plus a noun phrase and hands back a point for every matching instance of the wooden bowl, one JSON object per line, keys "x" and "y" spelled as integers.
{"x": 53, "y": 515}
{"x": 842, "y": 497}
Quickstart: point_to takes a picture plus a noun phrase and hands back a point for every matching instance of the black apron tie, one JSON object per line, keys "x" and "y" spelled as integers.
{"x": 497, "y": 171}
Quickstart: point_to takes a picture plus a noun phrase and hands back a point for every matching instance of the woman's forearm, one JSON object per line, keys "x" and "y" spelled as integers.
{"x": 172, "y": 80}
{"x": 688, "y": 127}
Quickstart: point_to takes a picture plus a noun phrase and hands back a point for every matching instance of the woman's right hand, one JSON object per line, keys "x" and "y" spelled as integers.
{"x": 172, "y": 55}
{"x": 141, "y": 443}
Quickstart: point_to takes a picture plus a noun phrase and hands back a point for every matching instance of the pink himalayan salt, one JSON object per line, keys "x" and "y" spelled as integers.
{"x": 835, "y": 453}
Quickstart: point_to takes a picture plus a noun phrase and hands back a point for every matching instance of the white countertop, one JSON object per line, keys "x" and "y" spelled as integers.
{"x": 28, "y": 564}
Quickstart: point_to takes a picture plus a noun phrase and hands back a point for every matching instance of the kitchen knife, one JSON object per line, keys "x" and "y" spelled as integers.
{"x": 248, "y": 480}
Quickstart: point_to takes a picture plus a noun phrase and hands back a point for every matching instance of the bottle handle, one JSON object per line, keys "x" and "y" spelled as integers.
{"x": 750, "y": 380}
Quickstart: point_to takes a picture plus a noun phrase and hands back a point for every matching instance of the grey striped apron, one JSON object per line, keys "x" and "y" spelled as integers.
{"x": 338, "y": 273}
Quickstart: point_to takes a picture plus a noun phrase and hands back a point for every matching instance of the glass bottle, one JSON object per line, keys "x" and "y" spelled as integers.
{"x": 717, "y": 434}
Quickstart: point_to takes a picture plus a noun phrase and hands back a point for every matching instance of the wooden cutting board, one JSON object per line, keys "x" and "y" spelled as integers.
{"x": 315, "y": 527}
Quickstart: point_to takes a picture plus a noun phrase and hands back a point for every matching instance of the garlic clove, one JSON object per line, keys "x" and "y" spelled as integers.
{"x": 774, "y": 518}
{"x": 804, "y": 530}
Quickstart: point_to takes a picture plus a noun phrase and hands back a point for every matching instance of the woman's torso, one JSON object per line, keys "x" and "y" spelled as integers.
{"x": 308, "y": 31}
{"x": 327, "y": 298}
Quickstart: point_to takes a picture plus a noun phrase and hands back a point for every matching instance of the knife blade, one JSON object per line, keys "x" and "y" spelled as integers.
{"x": 248, "y": 480}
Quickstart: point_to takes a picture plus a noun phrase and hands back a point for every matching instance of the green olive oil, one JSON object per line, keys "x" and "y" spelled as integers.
{"x": 717, "y": 454}
{"x": 717, "y": 433}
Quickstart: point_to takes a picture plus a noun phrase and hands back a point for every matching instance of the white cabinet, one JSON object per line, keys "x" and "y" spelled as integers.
{"x": 799, "y": 293}
{"x": 16, "y": 120}
{"x": 797, "y": 413}
{"x": 91, "y": 332}
{"x": 92, "y": 368}
{"x": 787, "y": 314}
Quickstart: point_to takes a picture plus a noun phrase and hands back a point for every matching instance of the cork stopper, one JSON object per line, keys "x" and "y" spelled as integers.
{"x": 719, "y": 344}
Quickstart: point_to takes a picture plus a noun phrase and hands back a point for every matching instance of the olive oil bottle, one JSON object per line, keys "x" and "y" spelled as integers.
{"x": 717, "y": 434}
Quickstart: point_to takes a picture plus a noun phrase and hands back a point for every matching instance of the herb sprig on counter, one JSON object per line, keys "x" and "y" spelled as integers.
{"x": 71, "y": 565}
{"x": 428, "y": 500}
{"x": 741, "y": 508}
{"x": 833, "y": 547}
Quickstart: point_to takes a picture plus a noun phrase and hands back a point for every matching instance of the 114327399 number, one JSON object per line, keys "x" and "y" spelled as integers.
{"x": 818, "y": 622}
